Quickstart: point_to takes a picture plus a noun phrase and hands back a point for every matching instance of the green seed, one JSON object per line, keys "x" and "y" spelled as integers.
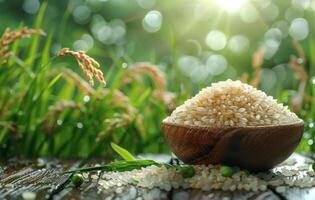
{"x": 226, "y": 170}
{"x": 77, "y": 180}
{"x": 187, "y": 171}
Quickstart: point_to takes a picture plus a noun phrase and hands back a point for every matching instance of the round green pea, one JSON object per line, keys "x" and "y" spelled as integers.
{"x": 77, "y": 180}
{"x": 187, "y": 171}
{"x": 226, "y": 170}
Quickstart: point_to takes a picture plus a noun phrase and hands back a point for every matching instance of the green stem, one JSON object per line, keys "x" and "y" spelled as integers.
{"x": 120, "y": 166}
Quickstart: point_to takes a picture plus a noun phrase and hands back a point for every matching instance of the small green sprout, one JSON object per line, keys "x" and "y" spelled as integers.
{"x": 77, "y": 180}
{"x": 226, "y": 170}
{"x": 125, "y": 154}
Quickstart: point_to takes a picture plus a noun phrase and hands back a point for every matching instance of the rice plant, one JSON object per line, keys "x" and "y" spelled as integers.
{"x": 51, "y": 106}
{"x": 49, "y": 110}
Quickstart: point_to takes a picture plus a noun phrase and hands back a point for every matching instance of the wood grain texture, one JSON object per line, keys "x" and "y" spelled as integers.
{"x": 253, "y": 148}
{"x": 294, "y": 193}
{"x": 21, "y": 176}
{"x": 89, "y": 190}
{"x": 219, "y": 195}
{"x": 18, "y": 177}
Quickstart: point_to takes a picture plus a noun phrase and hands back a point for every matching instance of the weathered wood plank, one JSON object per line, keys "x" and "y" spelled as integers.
{"x": 294, "y": 193}
{"x": 91, "y": 190}
{"x": 19, "y": 177}
{"x": 219, "y": 195}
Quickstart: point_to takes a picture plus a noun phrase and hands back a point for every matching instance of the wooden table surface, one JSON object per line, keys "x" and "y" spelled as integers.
{"x": 17, "y": 177}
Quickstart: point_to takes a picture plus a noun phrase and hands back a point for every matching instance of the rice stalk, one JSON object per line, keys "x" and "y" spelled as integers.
{"x": 134, "y": 72}
{"x": 257, "y": 61}
{"x": 12, "y": 102}
{"x": 244, "y": 77}
{"x": 74, "y": 79}
{"x": 12, "y": 127}
{"x": 54, "y": 112}
{"x": 10, "y": 36}
{"x": 119, "y": 98}
{"x": 298, "y": 65}
{"x": 118, "y": 120}
{"x": 157, "y": 76}
{"x": 168, "y": 98}
{"x": 87, "y": 64}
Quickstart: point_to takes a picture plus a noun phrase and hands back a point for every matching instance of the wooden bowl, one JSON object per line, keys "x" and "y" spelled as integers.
{"x": 253, "y": 148}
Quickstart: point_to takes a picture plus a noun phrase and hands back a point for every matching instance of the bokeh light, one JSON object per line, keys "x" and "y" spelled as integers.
{"x": 85, "y": 43}
{"x": 31, "y": 6}
{"x": 270, "y": 12}
{"x": 293, "y": 12}
{"x": 199, "y": 74}
{"x": 281, "y": 72}
{"x": 81, "y": 14}
{"x": 273, "y": 33}
{"x": 108, "y": 33}
{"x": 283, "y": 26}
{"x": 271, "y": 46}
{"x": 301, "y": 3}
{"x": 299, "y": 29}
{"x": 263, "y": 3}
{"x": 187, "y": 64}
{"x": 238, "y": 44}
{"x": 231, "y": 5}
{"x": 249, "y": 13}
{"x": 146, "y": 3}
{"x": 152, "y": 21}
{"x": 216, "y": 40}
{"x": 269, "y": 80}
{"x": 216, "y": 64}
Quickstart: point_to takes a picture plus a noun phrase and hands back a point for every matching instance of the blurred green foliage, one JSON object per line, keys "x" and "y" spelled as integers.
{"x": 45, "y": 112}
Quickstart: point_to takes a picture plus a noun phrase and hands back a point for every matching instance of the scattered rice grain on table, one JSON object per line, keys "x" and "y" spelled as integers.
{"x": 232, "y": 104}
{"x": 206, "y": 178}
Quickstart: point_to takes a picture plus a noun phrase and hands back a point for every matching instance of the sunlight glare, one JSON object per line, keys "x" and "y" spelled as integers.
{"x": 231, "y": 5}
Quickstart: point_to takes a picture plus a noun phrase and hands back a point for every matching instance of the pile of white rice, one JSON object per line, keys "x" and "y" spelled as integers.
{"x": 291, "y": 173}
{"x": 232, "y": 104}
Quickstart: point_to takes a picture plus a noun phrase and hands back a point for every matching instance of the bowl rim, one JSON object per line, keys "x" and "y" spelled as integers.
{"x": 301, "y": 123}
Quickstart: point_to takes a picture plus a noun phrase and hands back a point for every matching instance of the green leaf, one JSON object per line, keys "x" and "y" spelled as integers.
{"x": 119, "y": 166}
{"x": 45, "y": 55}
{"x": 226, "y": 170}
{"x": 143, "y": 97}
{"x": 36, "y": 38}
{"x": 52, "y": 82}
{"x": 126, "y": 155}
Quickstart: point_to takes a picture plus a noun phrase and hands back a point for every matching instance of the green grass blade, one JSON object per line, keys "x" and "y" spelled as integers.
{"x": 35, "y": 41}
{"x": 119, "y": 166}
{"x": 45, "y": 58}
{"x": 15, "y": 48}
{"x": 122, "y": 152}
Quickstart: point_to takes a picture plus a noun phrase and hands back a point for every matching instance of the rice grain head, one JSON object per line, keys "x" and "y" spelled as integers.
{"x": 87, "y": 64}
{"x": 152, "y": 71}
{"x": 9, "y": 37}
